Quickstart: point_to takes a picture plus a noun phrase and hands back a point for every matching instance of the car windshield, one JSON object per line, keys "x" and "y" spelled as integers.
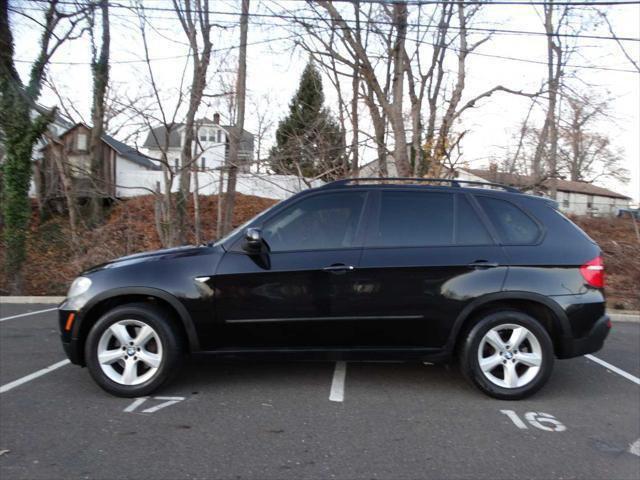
{"x": 244, "y": 225}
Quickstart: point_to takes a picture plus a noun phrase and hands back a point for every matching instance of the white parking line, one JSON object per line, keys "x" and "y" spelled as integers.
{"x": 635, "y": 448}
{"x": 614, "y": 369}
{"x": 337, "y": 384}
{"x": 27, "y": 314}
{"x": 32, "y": 376}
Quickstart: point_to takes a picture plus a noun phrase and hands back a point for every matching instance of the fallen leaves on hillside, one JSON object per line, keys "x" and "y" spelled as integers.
{"x": 53, "y": 262}
{"x": 621, "y": 248}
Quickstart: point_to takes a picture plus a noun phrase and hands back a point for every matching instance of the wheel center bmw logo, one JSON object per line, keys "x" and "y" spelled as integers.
{"x": 508, "y": 355}
{"x": 131, "y": 351}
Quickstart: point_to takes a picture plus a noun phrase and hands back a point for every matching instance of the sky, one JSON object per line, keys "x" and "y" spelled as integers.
{"x": 275, "y": 65}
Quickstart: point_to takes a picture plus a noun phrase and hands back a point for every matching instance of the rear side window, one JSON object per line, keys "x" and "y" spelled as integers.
{"x": 469, "y": 228}
{"x": 511, "y": 223}
{"x": 414, "y": 219}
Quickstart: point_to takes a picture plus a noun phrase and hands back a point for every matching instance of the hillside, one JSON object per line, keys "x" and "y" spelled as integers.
{"x": 52, "y": 263}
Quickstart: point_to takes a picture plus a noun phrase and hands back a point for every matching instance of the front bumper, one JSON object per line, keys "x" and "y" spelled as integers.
{"x": 592, "y": 342}
{"x": 69, "y": 341}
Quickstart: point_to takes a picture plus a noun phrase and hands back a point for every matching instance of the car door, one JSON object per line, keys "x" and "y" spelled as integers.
{"x": 427, "y": 254}
{"x": 292, "y": 296}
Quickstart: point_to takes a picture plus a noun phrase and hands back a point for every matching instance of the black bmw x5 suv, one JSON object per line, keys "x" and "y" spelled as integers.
{"x": 356, "y": 270}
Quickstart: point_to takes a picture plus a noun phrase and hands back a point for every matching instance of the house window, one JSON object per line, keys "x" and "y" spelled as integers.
{"x": 565, "y": 203}
{"x": 202, "y": 164}
{"x": 203, "y": 134}
{"x": 218, "y": 135}
{"x": 590, "y": 201}
{"x": 82, "y": 142}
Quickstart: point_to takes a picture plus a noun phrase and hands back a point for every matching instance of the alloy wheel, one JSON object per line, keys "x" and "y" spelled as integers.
{"x": 129, "y": 352}
{"x": 509, "y": 356}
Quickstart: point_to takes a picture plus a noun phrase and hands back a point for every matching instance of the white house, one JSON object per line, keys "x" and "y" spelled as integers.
{"x": 211, "y": 145}
{"x": 575, "y": 198}
{"x": 130, "y": 173}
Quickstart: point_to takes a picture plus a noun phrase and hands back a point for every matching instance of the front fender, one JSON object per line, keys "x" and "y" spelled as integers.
{"x": 183, "y": 314}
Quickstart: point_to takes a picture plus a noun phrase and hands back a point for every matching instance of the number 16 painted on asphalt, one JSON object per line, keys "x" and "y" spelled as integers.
{"x": 536, "y": 419}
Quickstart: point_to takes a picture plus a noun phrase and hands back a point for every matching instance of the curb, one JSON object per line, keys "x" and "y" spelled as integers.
{"x": 32, "y": 299}
{"x": 617, "y": 316}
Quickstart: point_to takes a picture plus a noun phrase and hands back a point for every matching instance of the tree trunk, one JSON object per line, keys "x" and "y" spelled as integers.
{"x": 554, "y": 66}
{"x": 100, "y": 69}
{"x": 355, "y": 89}
{"x": 237, "y": 129}
{"x": 397, "y": 120}
{"x": 194, "y": 26}
{"x": 196, "y": 207}
{"x": 60, "y": 159}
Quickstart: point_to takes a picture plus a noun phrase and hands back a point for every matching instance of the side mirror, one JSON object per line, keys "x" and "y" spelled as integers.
{"x": 253, "y": 242}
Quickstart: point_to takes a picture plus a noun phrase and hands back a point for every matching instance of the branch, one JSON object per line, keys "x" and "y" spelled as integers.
{"x": 471, "y": 103}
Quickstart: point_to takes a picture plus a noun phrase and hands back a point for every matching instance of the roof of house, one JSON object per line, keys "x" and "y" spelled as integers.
{"x": 158, "y": 136}
{"x": 129, "y": 153}
{"x": 121, "y": 149}
{"x": 527, "y": 180}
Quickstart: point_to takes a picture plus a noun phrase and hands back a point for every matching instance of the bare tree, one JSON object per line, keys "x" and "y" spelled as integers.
{"x": 195, "y": 21}
{"x": 627, "y": 55}
{"x": 158, "y": 116}
{"x": 585, "y": 153}
{"x": 264, "y": 125}
{"x": 236, "y": 129}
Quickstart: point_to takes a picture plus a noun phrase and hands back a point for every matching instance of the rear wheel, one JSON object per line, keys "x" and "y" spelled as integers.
{"x": 508, "y": 355}
{"x": 132, "y": 350}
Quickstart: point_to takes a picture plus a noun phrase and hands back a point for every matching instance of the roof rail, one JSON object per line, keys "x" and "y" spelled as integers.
{"x": 452, "y": 182}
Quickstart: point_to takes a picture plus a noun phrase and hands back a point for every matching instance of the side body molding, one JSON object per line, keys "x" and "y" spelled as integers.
{"x": 183, "y": 314}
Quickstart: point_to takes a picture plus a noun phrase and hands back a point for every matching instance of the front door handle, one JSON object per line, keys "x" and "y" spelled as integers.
{"x": 480, "y": 264}
{"x": 338, "y": 268}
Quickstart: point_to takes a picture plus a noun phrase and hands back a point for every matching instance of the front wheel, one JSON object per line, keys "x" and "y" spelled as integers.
{"x": 132, "y": 350}
{"x": 508, "y": 355}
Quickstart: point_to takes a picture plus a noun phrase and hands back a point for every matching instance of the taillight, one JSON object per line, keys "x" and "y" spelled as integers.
{"x": 593, "y": 272}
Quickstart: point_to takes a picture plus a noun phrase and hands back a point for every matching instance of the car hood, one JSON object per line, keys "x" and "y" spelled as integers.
{"x": 154, "y": 255}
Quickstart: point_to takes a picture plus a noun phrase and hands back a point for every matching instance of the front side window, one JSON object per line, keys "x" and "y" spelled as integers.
{"x": 321, "y": 222}
{"x": 413, "y": 219}
{"x": 512, "y": 224}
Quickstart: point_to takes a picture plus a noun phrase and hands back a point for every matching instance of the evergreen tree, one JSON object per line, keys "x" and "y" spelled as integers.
{"x": 309, "y": 141}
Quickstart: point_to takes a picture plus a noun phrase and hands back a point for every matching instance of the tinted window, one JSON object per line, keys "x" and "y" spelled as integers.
{"x": 512, "y": 224}
{"x": 316, "y": 223}
{"x": 412, "y": 219}
{"x": 469, "y": 228}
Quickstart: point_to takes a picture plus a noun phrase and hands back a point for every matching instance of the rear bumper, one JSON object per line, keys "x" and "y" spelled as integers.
{"x": 592, "y": 342}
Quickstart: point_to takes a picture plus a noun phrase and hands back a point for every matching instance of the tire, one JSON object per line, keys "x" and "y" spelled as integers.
{"x": 508, "y": 372}
{"x": 140, "y": 349}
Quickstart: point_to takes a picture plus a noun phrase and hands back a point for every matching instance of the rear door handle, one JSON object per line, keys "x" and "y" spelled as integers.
{"x": 480, "y": 264}
{"x": 339, "y": 268}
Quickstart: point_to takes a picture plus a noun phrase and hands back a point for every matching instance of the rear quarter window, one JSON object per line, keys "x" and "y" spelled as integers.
{"x": 514, "y": 226}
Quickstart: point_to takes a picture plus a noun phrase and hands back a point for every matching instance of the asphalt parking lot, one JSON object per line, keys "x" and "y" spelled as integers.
{"x": 301, "y": 420}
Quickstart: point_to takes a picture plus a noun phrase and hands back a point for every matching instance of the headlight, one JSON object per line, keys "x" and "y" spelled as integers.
{"x": 78, "y": 287}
